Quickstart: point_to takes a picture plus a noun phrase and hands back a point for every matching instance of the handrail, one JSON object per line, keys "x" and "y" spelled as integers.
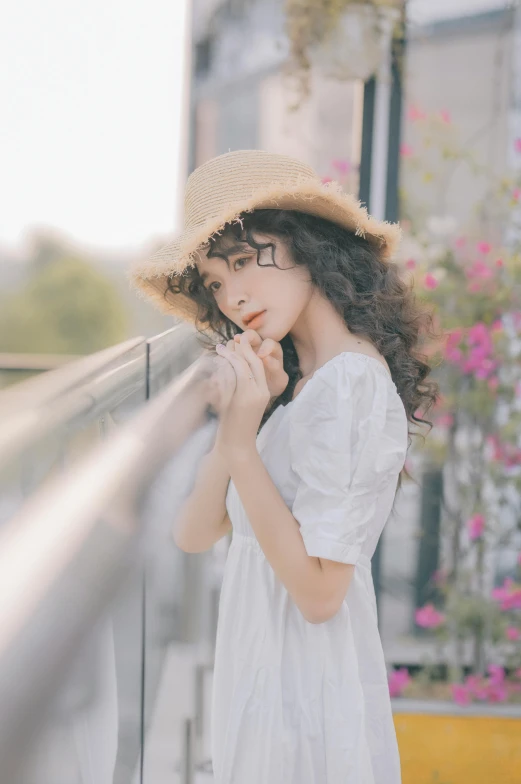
{"x": 40, "y": 405}
{"x": 22, "y": 362}
{"x": 88, "y": 386}
{"x": 62, "y": 380}
{"x": 77, "y": 536}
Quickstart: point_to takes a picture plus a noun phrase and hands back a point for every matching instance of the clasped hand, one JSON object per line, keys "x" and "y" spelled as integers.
{"x": 240, "y": 400}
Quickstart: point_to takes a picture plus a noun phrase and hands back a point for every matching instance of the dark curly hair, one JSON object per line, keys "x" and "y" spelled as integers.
{"x": 367, "y": 291}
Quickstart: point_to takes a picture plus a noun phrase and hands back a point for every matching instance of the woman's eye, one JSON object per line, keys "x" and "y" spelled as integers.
{"x": 209, "y": 288}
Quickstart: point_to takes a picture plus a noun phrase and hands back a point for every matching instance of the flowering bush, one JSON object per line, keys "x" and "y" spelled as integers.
{"x": 344, "y": 172}
{"x": 472, "y": 277}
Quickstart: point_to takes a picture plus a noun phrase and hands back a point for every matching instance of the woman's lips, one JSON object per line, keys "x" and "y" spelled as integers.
{"x": 255, "y": 322}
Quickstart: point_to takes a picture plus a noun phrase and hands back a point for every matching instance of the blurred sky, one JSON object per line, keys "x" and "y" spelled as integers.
{"x": 90, "y": 104}
{"x": 90, "y": 97}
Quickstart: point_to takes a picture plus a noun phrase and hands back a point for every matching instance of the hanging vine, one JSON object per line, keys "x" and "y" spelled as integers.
{"x": 309, "y": 23}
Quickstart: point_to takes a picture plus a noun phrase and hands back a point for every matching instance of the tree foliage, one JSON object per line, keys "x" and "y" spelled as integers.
{"x": 66, "y": 307}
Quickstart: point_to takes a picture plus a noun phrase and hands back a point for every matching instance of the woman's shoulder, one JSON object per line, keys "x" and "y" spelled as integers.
{"x": 349, "y": 387}
{"x": 348, "y": 370}
{"x": 349, "y": 405}
{"x": 356, "y": 363}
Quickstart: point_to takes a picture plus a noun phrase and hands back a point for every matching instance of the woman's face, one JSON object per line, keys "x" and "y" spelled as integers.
{"x": 241, "y": 286}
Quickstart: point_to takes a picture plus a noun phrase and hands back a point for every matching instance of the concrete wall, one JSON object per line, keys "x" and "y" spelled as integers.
{"x": 464, "y": 68}
{"x": 460, "y": 66}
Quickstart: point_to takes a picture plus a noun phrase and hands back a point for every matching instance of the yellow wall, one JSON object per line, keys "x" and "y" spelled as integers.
{"x": 459, "y": 749}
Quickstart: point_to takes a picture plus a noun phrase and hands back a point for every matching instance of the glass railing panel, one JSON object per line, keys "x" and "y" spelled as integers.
{"x": 51, "y": 421}
{"x": 114, "y": 696}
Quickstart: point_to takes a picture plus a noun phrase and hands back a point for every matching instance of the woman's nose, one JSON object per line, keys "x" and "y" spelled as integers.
{"x": 235, "y": 294}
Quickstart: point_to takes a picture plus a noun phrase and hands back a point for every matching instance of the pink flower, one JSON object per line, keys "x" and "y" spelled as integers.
{"x": 496, "y": 673}
{"x": 430, "y": 281}
{"x": 455, "y": 335}
{"x": 493, "y": 383}
{"x": 478, "y": 361}
{"x": 511, "y": 455}
{"x": 508, "y": 454}
{"x": 480, "y": 348}
{"x": 484, "y": 369}
{"x": 484, "y": 248}
{"x": 496, "y": 687}
{"x": 398, "y": 680}
{"x": 445, "y": 116}
{"x": 327, "y": 179}
{"x": 478, "y": 334}
{"x": 476, "y": 686}
{"x": 460, "y": 242}
{"x": 428, "y": 617}
{"x": 516, "y": 194}
{"x": 406, "y": 151}
{"x": 415, "y": 114}
{"x": 445, "y": 420}
{"x": 513, "y": 602}
{"x": 493, "y": 442}
{"x": 497, "y": 325}
{"x": 460, "y": 694}
{"x": 343, "y": 167}
{"x": 513, "y": 633}
{"x": 476, "y": 526}
{"x": 497, "y": 693}
{"x": 508, "y": 595}
{"x": 453, "y": 352}
{"x": 517, "y": 145}
{"x": 479, "y": 270}
{"x": 410, "y": 263}
{"x": 499, "y": 263}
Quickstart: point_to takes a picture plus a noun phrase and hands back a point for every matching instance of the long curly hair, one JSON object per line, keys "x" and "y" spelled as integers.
{"x": 368, "y": 292}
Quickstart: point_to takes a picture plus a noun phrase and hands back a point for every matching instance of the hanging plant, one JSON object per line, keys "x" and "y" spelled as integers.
{"x": 345, "y": 39}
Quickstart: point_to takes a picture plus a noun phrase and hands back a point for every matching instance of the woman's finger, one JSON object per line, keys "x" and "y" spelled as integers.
{"x": 270, "y": 347}
{"x": 253, "y": 338}
{"x": 237, "y": 361}
{"x": 271, "y": 363}
{"x": 246, "y": 363}
{"x": 256, "y": 366}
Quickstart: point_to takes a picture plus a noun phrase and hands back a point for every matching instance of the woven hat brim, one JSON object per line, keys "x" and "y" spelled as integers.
{"x": 326, "y": 200}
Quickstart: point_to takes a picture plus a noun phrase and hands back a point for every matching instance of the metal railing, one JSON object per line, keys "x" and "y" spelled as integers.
{"x": 95, "y": 458}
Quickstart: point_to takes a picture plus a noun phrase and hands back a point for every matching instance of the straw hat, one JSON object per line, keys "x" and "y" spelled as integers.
{"x": 241, "y": 181}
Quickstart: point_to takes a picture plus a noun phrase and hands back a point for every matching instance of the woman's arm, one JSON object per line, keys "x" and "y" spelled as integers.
{"x": 202, "y": 520}
{"x": 315, "y": 585}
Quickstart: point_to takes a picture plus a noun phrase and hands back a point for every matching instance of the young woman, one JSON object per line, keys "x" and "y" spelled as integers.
{"x": 309, "y": 454}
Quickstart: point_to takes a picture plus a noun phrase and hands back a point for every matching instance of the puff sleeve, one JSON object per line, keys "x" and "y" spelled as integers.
{"x": 348, "y": 439}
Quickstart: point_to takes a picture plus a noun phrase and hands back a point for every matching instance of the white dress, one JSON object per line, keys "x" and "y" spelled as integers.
{"x": 295, "y": 702}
